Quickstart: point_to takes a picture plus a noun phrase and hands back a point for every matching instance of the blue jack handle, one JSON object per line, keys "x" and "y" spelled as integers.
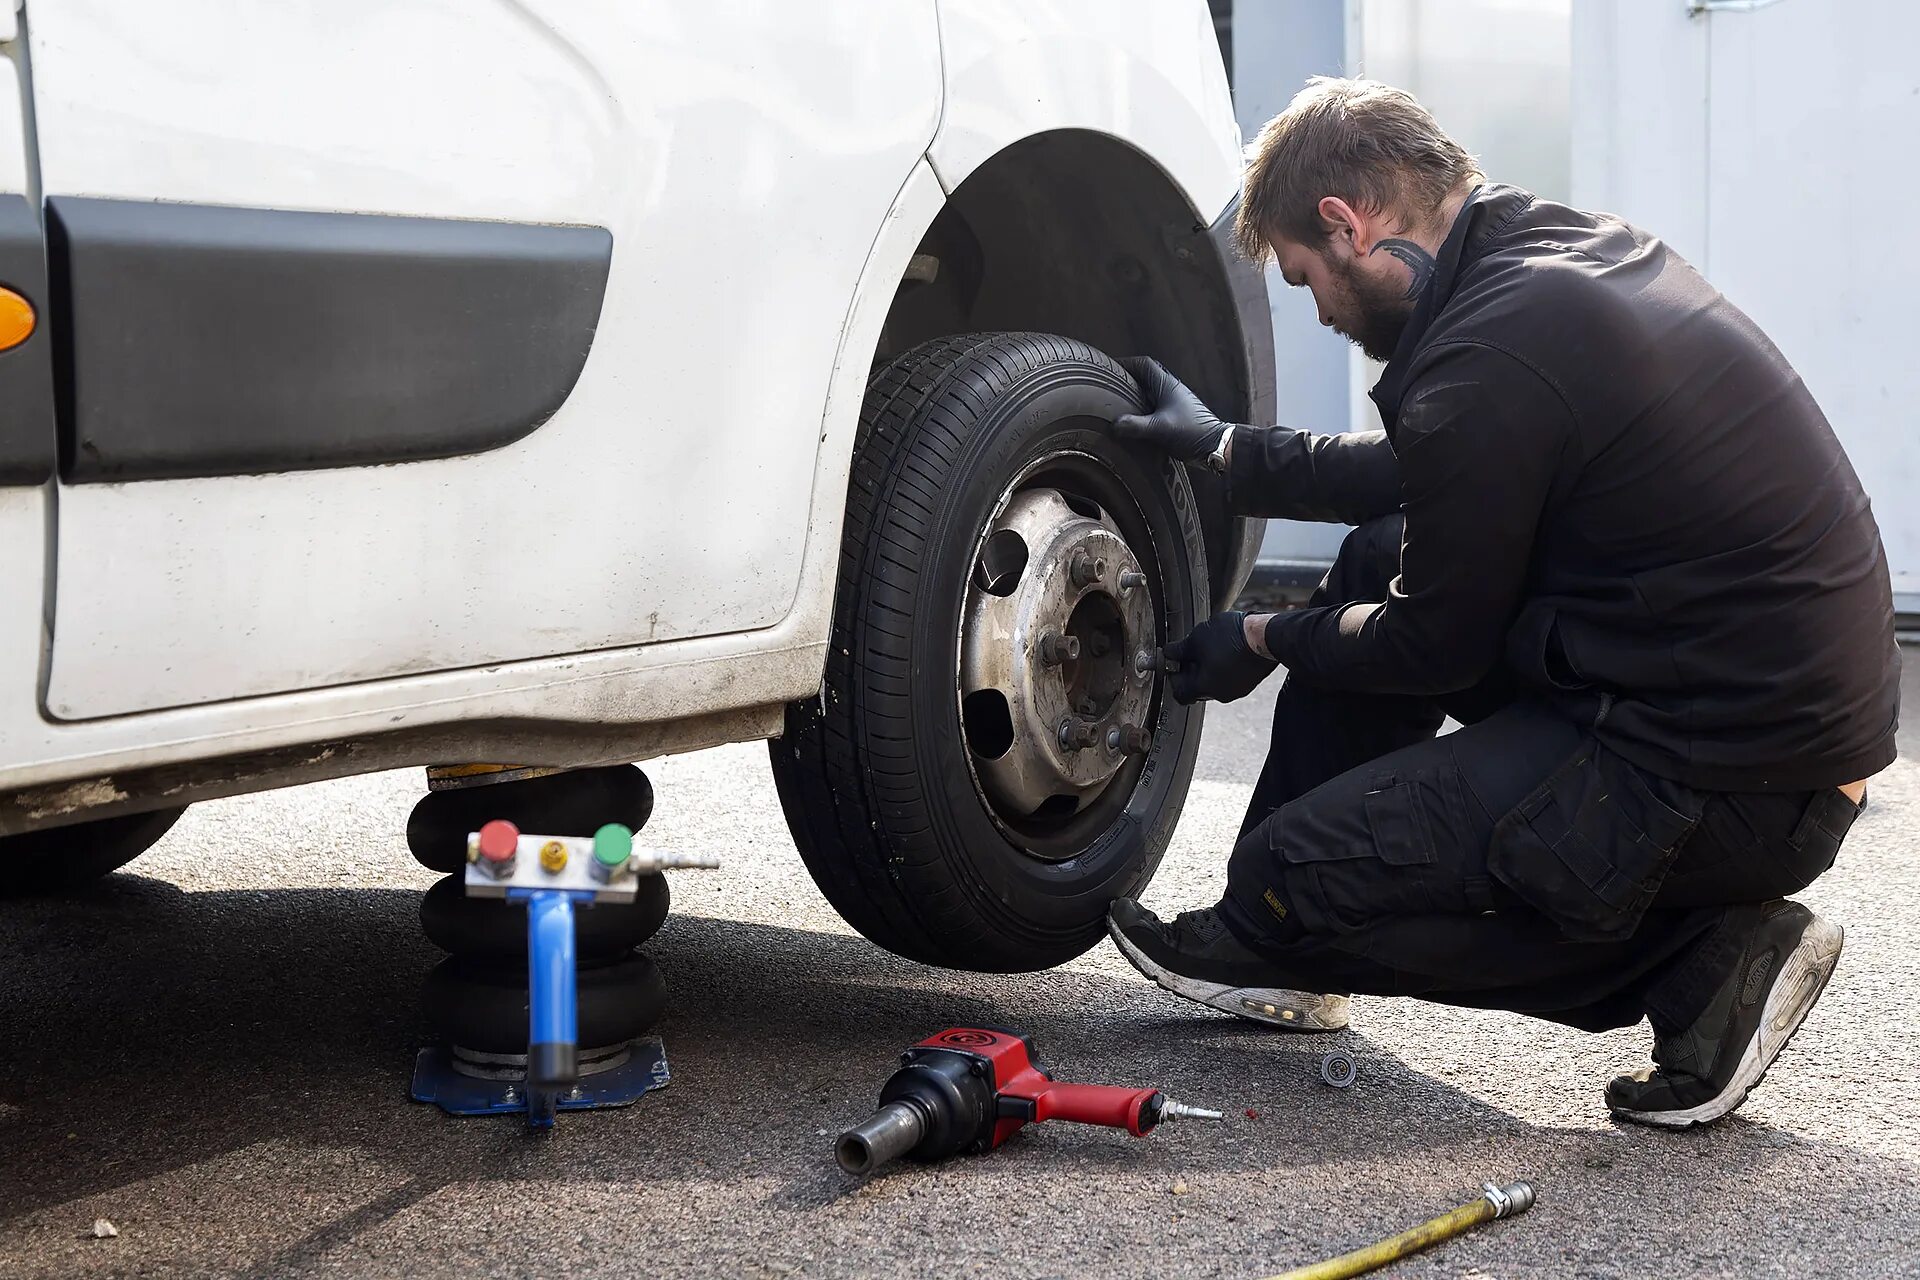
{"x": 553, "y": 1049}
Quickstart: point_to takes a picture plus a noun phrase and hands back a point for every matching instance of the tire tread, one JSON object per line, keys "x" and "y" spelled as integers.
{"x": 846, "y": 768}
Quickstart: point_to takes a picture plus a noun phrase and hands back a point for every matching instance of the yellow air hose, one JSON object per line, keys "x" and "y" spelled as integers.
{"x": 1499, "y": 1202}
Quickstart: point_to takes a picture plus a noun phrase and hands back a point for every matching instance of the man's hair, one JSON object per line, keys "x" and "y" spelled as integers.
{"x": 1370, "y": 144}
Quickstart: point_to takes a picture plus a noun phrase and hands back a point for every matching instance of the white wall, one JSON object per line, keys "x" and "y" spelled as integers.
{"x": 1493, "y": 72}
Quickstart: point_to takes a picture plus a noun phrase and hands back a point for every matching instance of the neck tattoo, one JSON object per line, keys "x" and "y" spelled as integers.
{"x": 1418, "y": 261}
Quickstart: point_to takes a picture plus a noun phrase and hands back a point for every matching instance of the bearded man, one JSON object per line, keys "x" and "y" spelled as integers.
{"x": 1607, "y": 529}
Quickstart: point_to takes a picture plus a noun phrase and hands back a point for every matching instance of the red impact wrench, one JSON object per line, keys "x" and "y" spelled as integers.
{"x": 970, "y": 1088}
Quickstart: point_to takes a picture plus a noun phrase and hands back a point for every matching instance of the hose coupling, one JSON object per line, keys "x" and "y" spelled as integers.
{"x": 1514, "y": 1198}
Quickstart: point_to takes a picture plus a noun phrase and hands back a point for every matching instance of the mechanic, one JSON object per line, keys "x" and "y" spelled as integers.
{"x": 1607, "y": 528}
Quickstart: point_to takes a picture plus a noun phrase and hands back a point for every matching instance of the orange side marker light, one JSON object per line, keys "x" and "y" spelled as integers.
{"x": 16, "y": 319}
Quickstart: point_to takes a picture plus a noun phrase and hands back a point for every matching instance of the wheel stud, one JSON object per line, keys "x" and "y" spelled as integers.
{"x": 1077, "y": 735}
{"x": 1084, "y": 570}
{"x": 1131, "y": 578}
{"x": 1056, "y": 648}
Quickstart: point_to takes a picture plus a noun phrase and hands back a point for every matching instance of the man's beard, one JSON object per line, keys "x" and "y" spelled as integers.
{"x": 1373, "y": 313}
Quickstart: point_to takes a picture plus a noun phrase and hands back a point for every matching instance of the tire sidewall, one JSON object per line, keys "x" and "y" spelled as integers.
{"x": 1063, "y": 407}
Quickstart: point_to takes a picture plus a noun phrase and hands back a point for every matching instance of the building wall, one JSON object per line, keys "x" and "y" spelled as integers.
{"x": 1495, "y": 73}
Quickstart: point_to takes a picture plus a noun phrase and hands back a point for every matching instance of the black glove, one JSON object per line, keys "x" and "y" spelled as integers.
{"x": 1215, "y": 661}
{"x": 1176, "y": 421}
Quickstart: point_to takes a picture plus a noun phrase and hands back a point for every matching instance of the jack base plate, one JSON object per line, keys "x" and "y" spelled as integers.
{"x": 457, "y": 1094}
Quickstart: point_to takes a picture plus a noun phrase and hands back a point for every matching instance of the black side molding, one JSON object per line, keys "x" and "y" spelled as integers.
{"x": 201, "y": 340}
{"x": 26, "y": 372}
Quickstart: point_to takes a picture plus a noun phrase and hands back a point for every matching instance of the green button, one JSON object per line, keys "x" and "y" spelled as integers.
{"x": 612, "y": 844}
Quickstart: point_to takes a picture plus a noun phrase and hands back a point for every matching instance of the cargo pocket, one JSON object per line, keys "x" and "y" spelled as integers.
{"x": 1342, "y": 870}
{"x": 1816, "y": 838}
{"x": 1591, "y": 845}
{"x": 1397, "y": 817}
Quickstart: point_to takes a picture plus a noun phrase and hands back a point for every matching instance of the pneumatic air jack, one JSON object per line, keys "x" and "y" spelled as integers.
{"x": 540, "y": 1069}
{"x": 969, "y": 1089}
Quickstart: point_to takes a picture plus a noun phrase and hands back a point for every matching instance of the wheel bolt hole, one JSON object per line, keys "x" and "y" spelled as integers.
{"x": 1002, "y": 560}
{"x": 1056, "y": 807}
{"x": 987, "y": 721}
{"x": 1082, "y": 506}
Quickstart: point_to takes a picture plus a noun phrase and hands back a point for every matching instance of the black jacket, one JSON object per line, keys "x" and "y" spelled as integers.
{"x": 1614, "y": 480}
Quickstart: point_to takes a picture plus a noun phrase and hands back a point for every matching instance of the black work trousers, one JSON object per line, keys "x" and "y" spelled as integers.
{"x": 1514, "y": 864}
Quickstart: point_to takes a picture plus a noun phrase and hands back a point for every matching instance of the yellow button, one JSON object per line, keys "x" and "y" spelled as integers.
{"x": 16, "y": 319}
{"x": 553, "y": 857}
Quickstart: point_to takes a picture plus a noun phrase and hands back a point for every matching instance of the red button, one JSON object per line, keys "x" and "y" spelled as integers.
{"x": 499, "y": 840}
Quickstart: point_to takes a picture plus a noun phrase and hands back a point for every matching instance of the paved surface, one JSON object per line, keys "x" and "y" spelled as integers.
{"x": 212, "y": 1052}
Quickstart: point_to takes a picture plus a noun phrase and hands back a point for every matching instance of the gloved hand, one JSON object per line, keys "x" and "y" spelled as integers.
{"x": 1176, "y": 421}
{"x": 1215, "y": 661}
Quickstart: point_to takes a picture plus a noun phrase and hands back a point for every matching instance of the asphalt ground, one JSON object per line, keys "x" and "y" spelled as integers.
{"x": 212, "y": 1052}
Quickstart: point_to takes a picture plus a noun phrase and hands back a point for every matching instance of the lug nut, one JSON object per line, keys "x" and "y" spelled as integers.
{"x": 1077, "y": 735}
{"x": 1135, "y": 740}
{"x": 1056, "y": 648}
{"x": 1084, "y": 570}
{"x": 1146, "y": 661}
{"x": 1131, "y": 578}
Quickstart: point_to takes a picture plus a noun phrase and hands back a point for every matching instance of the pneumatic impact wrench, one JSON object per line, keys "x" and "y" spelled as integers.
{"x": 970, "y": 1088}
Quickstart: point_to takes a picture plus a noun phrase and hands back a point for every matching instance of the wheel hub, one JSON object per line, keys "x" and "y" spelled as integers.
{"x": 1051, "y": 702}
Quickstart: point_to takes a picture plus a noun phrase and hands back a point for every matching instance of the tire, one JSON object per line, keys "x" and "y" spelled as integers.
{"x": 576, "y": 803}
{"x": 875, "y": 775}
{"x": 495, "y": 929}
{"x": 62, "y": 859}
{"x": 484, "y": 1006}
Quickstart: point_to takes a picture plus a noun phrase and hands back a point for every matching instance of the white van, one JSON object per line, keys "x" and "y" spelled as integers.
{"x": 565, "y": 383}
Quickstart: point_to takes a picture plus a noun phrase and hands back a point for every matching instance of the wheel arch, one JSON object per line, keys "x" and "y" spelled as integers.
{"x": 1080, "y": 233}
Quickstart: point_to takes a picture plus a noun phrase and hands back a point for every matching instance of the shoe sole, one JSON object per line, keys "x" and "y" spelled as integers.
{"x": 1791, "y": 998}
{"x": 1256, "y": 1004}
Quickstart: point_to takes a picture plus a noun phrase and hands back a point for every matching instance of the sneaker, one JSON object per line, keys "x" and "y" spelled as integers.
{"x": 1197, "y": 958}
{"x": 1708, "y": 1069}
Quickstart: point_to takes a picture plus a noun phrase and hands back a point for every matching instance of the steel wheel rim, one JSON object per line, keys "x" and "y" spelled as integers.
{"x": 1055, "y": 717}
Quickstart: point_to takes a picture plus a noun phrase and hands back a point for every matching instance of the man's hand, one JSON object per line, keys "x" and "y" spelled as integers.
{"x": 1176, "y": 421}
{"x": 1216, "y": 660}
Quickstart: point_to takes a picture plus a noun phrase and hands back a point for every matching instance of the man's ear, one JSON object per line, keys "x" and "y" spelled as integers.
{"x": 1347, "y": 225}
